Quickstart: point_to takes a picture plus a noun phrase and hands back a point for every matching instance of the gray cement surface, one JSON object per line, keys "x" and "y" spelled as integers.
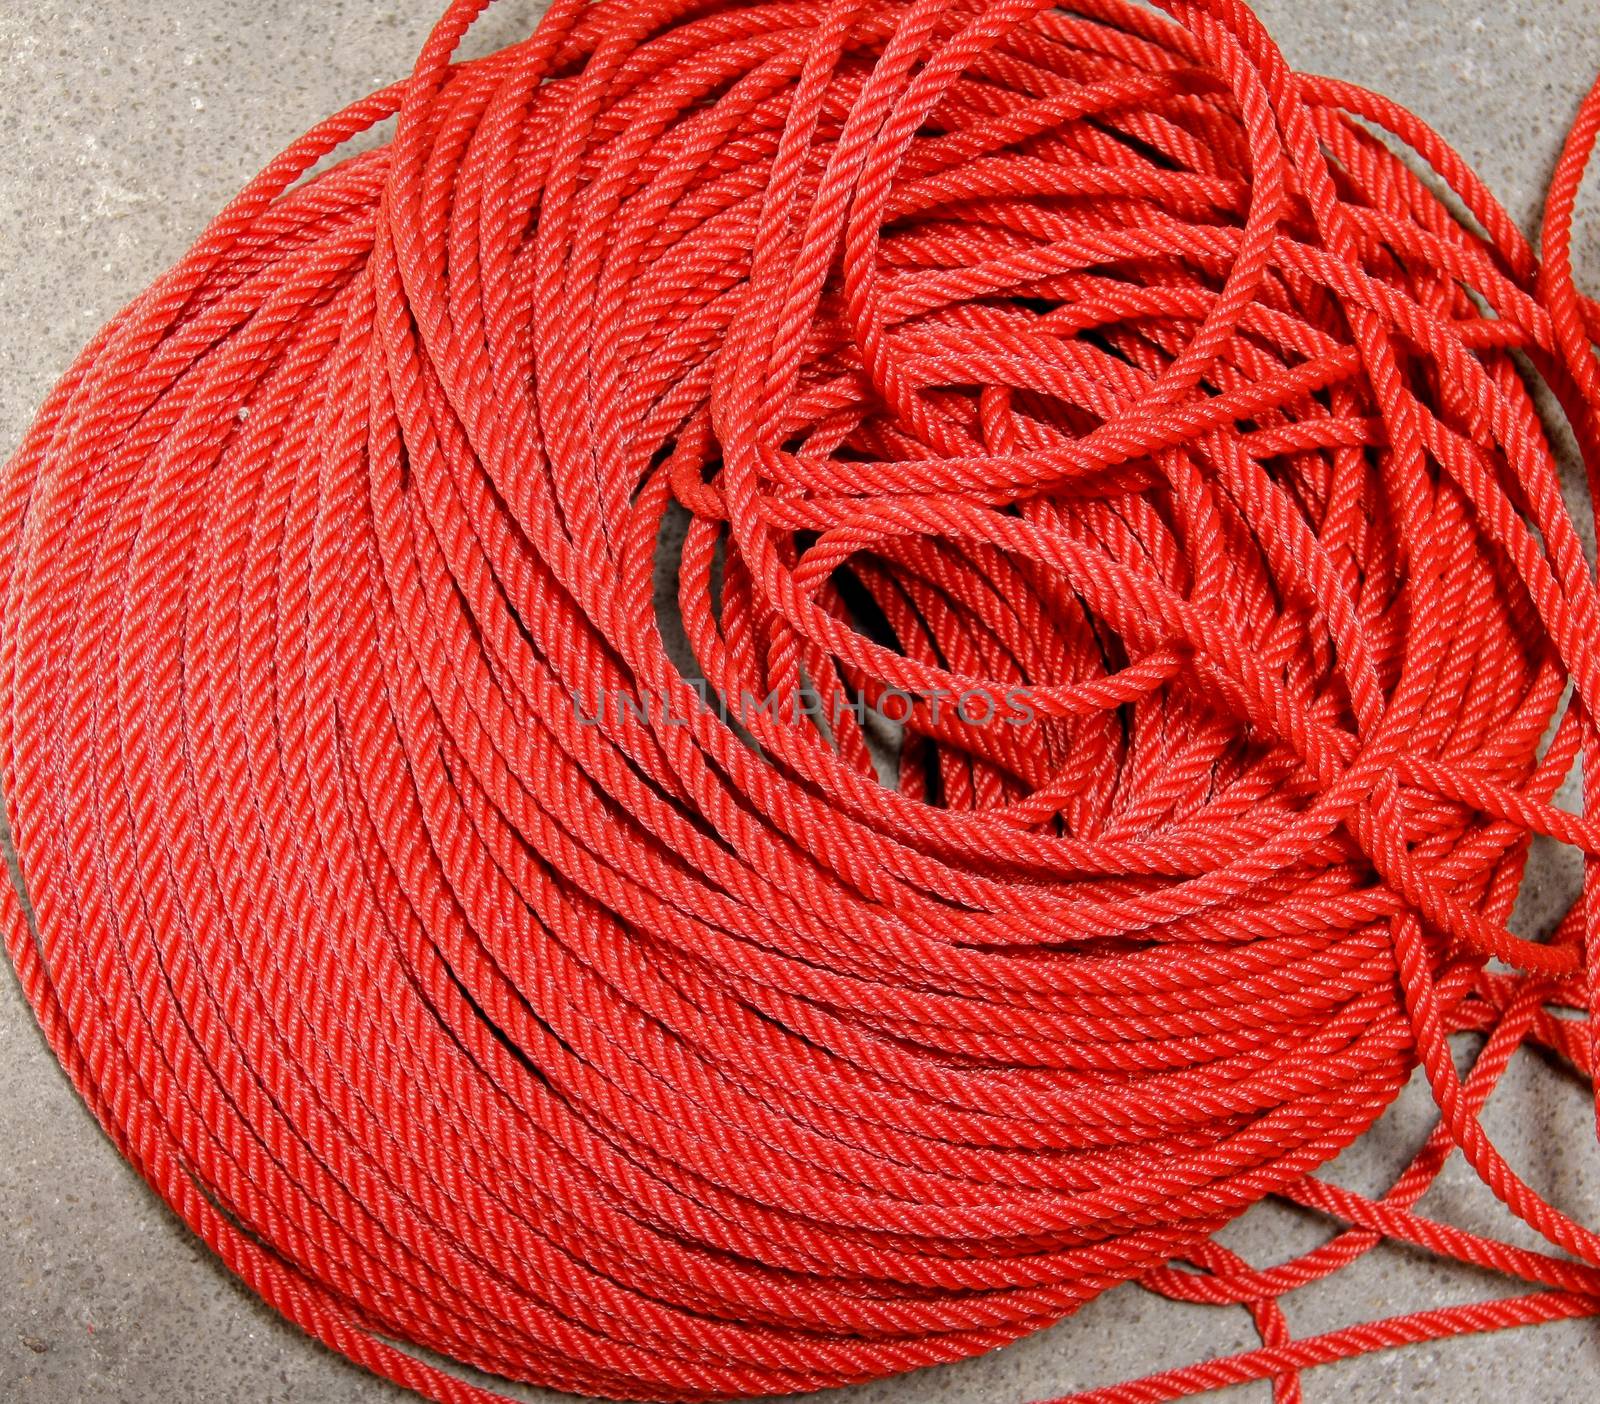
{"x": 124, "y": 124}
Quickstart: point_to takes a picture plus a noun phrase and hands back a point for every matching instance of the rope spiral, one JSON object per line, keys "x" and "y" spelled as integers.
{"x": 1091, "y": 362}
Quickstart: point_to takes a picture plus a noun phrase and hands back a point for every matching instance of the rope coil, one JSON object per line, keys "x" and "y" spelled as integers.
{"x": 1095, "y": 363}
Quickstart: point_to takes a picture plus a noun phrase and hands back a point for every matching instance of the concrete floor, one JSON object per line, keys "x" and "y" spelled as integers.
{"x": 126, "y": 125}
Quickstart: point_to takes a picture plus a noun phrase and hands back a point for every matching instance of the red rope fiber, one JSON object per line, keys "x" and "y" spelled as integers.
{"x": 1095, "y": 363}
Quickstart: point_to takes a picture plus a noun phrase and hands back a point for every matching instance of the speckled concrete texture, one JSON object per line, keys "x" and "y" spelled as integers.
{"x": 126, "y": 123}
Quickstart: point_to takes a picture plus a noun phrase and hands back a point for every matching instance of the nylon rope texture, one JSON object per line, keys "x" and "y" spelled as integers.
{"x": 1093, "y": 363}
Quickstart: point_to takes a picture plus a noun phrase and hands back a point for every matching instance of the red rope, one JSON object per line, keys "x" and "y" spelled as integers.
{"x": 1095, "y": 365}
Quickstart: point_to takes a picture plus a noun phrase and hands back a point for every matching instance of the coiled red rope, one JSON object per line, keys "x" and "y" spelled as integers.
{"x": 1089, "y": 360}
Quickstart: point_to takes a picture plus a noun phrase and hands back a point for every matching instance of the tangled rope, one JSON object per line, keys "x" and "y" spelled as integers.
{"x": 1091, "y": 363}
